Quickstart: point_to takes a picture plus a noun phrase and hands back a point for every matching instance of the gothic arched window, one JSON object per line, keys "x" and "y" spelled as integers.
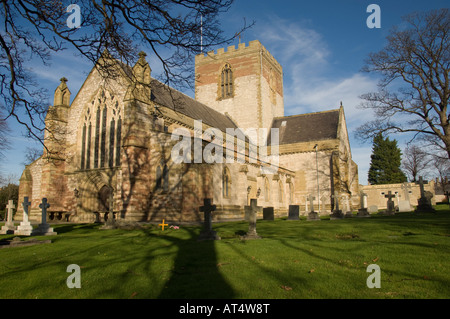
{"x": 97, "y": 137}
{"x": 106, "y": 123}
{"x": 226, "y": 182}
{"x": 226, "y": 82}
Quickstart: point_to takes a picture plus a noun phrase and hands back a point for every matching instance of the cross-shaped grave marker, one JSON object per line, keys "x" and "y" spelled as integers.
{"x": 9, "y": 227}
{"x": 312, "y": 214}
{"x": 25, "y": 227}
{"x": 250, "y": 216}
{"x": 208, "y": 233}
{"x": 424, "y": 202}
{"x": 44, "y": 228}
{"x": 390, "y": 203}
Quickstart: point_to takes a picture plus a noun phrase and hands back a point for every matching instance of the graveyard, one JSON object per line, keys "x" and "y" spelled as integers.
{"x": 284, "y": 258}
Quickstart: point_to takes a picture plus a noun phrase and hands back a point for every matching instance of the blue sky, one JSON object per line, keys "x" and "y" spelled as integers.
{"x": 321, "y": 46}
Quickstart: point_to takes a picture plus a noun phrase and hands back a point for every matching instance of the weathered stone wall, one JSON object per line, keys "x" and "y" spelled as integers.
{"x": 257, "y": 81}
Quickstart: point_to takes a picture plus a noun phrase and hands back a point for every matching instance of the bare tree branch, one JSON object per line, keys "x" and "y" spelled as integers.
{"x": 414, "y": 90}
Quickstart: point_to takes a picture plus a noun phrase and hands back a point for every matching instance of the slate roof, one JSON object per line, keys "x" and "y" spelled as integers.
{"x": 171, "y": 98}
{"x": 306, "y": 127}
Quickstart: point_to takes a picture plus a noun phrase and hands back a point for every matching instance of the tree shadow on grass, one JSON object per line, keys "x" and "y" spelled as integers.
{"x": 195, "y": 273}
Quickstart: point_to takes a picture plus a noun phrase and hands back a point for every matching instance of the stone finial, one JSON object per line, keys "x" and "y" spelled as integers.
{"x": 142, "y": 55}
{"x": 62, "y": 94}
{"x": 140, "y": 89}
{"x": 142, "y": 69}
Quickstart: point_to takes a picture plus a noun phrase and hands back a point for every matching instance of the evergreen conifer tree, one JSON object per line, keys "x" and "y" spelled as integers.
{"x": 385, "y": 162}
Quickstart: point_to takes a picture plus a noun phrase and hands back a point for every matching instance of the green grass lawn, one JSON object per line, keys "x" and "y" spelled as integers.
{"x": 295, "y": 259}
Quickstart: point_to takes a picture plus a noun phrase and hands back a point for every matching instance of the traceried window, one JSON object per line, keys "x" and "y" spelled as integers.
{"x": 226, "y": 82}
{"x": 102, "y": 119}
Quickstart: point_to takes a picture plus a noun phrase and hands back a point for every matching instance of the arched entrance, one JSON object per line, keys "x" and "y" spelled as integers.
{"x": 105, "y": 198}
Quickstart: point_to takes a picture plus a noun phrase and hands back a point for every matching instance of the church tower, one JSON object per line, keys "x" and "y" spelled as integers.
{"x": 244, "y": 83}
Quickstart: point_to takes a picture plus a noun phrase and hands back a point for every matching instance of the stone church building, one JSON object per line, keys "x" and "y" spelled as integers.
{"x": 111, "y": 151}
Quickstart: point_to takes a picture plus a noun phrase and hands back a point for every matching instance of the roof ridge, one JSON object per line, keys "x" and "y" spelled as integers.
{"x": 304, "y": 114}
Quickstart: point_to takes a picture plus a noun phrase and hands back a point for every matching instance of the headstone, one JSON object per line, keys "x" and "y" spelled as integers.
{"x": 372, "y": 209}
{"x": 363, "y": 211}
{"x": 404, "y": 206}
{"x": 268, "y": 213}
{"x": 18, "y": 242}
{"x": 294, "y": 212}
{"x": 44, "y": 229}
{"x": 25, "y": 227}
{"x": 337, "y": 212}
{"x": 250, "y": 213}
{"x": 9, "y": 227}
{"x": 424, "y": 202}
{"x": 312, "y": 214}
{"x": 347, "y": 207}
{"x": 390, "y": 204}
{"x": 208, "y": 233}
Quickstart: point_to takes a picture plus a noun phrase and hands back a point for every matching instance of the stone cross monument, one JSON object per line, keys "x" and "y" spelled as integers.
{"x": 312, "y": 214}
{"x": 250, "y": 215}
{"x": 25, "y": 227}
{"x": 208, "y": 233}
{"x": 44, "y": 229}
{"x": 9, "y": 227}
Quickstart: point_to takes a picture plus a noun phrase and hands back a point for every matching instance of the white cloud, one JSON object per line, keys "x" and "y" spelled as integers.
{"x": 311, "y": 81}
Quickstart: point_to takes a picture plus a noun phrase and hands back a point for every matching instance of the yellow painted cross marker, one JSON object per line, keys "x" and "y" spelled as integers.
{"x": 163, "y": 225}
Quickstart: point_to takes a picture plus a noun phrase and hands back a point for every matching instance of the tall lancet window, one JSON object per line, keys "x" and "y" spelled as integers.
{"x": 118, "y": 140}
{"x": 97, "y": 138}
{"x": 226, "y": 82}
{"x": 103, "y": 141}
{"x": 83, "y": 147}
{"x": 100, "y": 133}
{"x": 112, "y": 127}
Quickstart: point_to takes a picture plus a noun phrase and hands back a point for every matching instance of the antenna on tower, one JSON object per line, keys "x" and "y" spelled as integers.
{"x": 201, "y": 33}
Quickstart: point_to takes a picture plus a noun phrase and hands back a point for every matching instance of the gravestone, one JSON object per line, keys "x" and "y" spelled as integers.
{"x": 18, "y": 242}
{"x": 250, "y": 215}
{"x": 404, "y": 205}
{"x": 44, "y": 229}
{"x": 208, "y": 233}
{"x": 390, "y": 205}
{"x": 363, "y": 211}
{"x": 347, "y": 207}
{"x": 337, "y": 212}
{"x": 294, "y": 212}
{"x": 25, "y": 227}
{"x": 268, "y": 213}
{"x": 372, "y": 209}
{"x": 424, "y": 202}
{"x": 312, "y": 215}
{"x": 9, "y": 227}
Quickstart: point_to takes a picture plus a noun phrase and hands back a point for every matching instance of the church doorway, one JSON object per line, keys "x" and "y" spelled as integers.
{"x": 105, "y": 198}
